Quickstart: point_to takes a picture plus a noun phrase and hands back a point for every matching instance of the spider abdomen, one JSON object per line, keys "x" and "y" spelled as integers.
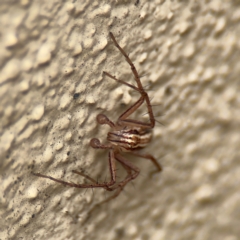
{"x": 130, "y": 138}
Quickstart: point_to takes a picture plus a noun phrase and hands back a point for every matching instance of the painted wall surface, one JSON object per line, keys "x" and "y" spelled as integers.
{"x": 52, "y": 55}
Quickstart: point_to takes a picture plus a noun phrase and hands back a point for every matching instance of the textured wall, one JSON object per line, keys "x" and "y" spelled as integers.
{"x": 189, "y": 53}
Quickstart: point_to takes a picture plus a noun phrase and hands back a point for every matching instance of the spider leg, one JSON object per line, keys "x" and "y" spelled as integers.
{"x": 106, "y": 185}
{"x": 140, "y": 89}
{"x": 120, "y": 186}
{"x": 121, "y": 81}
{"x": 135, "y": 73}
{"x": 149, "y": 157}
{"x": 129, "y": 167}
{"x": 133, "y": 122}
{"x": 84, "y": 175}
{"x": 129, "y": 111}
{"x": 128, "y": 170}
{"x": 90, "y": 179}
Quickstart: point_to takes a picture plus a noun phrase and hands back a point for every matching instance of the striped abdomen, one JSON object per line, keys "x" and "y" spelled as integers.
{"x": 130, "y": 138}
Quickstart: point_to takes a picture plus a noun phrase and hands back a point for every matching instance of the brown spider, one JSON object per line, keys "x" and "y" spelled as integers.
{"x": 126, "y": 135}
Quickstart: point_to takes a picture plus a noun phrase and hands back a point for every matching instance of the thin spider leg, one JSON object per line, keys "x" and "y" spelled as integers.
{"x": 84, "y": 175}
{"x": 159, "y": 115}
{"x": 129, "y": 111}
{"x": 150, "y": 111}
{"x": 124, "y": 82}
{"x": 133, "y": 122}
{"x": 132, "y": 109}
{"x": 121, "y": 81}
{"x": 105, "y": 185}
{"x": 71, "y": 184}
{"x": 137, "y": 78}
{"x": 91, "y": 179}
{"x": 116, "y": 193}
{"x": 88, "y": 177}
{"x": 149, "y": 157}
{"x": 140, "y": 87}
{"x": 128, "y": 170}
{"x": 160, "y": 123}
{"x": 120, "y": 186}
{"x": 129, "y": 173}
{"x": 127, "y": 165}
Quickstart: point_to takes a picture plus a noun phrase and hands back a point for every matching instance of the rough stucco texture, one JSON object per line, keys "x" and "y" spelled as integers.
{"x": 52, "y": 54}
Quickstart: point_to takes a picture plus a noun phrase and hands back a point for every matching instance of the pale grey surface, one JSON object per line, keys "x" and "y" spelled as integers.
{"x": 189, "y": 51}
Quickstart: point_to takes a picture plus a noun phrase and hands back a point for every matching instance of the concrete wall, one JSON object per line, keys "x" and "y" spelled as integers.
{"x": 189, "y": 53}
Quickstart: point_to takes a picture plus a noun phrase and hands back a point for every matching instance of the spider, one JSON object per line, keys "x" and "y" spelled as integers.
{"x": 126, "y": 135}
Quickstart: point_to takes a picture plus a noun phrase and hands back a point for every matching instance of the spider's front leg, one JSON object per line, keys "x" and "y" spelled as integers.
{"x": 123, "y": 117}
{"x": 140, "y": 89}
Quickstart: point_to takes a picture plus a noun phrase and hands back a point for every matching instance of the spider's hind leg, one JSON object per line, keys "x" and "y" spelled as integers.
{"x": 90, "y": 179}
